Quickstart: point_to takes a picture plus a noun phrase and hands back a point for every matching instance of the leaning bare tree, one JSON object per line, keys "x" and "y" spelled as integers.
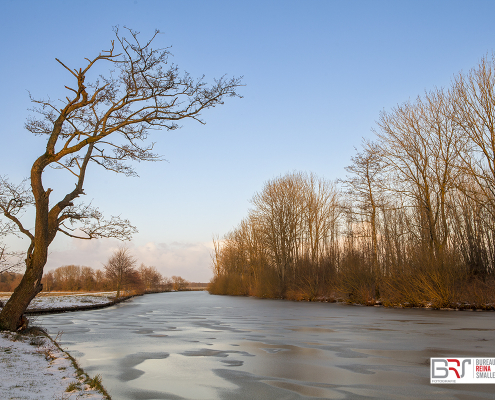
{"x": 105, "y": 122}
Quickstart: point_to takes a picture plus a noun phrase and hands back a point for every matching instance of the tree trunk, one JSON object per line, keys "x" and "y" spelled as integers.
{"x": 30, "y": 286}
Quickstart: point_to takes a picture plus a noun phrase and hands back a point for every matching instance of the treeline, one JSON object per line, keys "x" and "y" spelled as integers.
{"x": 72, "y": 278}
{"x": 9, "y": 281}
{"x": 119, "y": 274}
{"x": 413, "y": 223}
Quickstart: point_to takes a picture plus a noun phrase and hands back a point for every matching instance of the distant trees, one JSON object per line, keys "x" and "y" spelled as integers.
{"x": 179, "y": 283}
{"x": 86, "y": 279}
{"x": 119, "y": 268}
{"x": 74, "y": 278}
{"x": 9, "y": 280}
{"x": 150, "y": 277}
{"x": 413, "y": 224}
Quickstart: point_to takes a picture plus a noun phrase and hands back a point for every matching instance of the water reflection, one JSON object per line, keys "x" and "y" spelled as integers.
{"x": 191, "y": 345}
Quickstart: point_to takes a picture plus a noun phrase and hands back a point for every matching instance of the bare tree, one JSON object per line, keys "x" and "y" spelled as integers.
{"x": 279, "y": 209}
{"x": 120, "y": 268}
{"x": 418, "y": 144}
{"x": 321, "y": 209}
{"x": 150, "y": 277}
{"x": 284, "y": 243}
{"x": 364, "y": 188}
{"x": 105, "y": 122}
{"x": 179, "y": 283}
{"x": 474, "y": 100}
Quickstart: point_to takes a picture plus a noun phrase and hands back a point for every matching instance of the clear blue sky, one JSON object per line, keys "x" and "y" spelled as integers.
{"x": 317, "y": 74}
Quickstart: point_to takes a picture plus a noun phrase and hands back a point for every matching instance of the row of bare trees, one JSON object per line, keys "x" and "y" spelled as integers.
{"x": 288, "y": 242}
{"x": 80, "y": 278}
{"x": 119, "y": 274}
{"x": 412, "y": 223}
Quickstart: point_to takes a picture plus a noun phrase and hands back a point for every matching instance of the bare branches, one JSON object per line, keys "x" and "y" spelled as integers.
{"x": 120, "y": 267}
{"x": 86, "y": 222}
{"x": 9, "y": 260}
{"x": 13, "y": 200}
{"x": 106, "y": 122}
{"x": 474, "y": 99}
{"x": 146, "y": 92}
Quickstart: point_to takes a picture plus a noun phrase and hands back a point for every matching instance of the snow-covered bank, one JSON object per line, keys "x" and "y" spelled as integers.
{"x": 33, "y": 367}
{"x": 65, "y": 300}
{"x": 71, "y": 300}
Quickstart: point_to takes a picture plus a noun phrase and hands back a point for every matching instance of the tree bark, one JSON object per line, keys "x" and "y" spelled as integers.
{"x": 30, "y": 285}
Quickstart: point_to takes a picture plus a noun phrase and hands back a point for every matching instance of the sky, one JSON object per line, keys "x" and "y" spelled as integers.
{"x": 317, "y": 74}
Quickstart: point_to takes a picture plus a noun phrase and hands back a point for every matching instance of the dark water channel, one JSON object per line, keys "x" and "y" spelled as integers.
{"x": 192, "y": 345}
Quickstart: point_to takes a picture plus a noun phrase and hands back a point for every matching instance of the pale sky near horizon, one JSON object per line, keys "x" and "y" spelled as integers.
{"x": 317, "y": 75}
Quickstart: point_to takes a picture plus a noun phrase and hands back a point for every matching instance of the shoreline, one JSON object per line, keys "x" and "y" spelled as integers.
{"x": 57, "y": 310}
{"x": 70, "y": 381}
{"x": 111, "y": 300}
{"x": 464, "y": 307}
{"x": 37, "y": 368}
{"x": 95, "y": 381}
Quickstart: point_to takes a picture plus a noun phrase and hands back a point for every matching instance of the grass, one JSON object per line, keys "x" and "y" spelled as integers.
{"x": 73, "y": 386}
{"x": 36, "y": 336}
{"x": 94, "y": 383}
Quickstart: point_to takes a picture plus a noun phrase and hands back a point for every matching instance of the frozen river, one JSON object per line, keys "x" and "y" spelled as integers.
{"x": 192, "y": 345}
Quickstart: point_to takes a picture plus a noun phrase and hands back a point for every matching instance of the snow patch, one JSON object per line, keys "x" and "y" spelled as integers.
{"x": 34, "y": 368}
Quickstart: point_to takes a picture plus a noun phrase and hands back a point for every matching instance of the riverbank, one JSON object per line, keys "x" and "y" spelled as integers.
{"x": 53, "y": 302}
{"x": 458, "y": 306}
{"x": 34, "y": 367}
{"x": 50, "y": 303}
{"x": 425, "y": 306}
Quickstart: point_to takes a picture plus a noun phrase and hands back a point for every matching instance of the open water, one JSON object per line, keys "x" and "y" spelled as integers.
{"x": 192, "y": 345}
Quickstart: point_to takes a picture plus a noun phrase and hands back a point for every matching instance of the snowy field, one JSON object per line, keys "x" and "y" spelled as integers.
{"x": 64, "y": 299}
{"x": 32, "y": 367}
